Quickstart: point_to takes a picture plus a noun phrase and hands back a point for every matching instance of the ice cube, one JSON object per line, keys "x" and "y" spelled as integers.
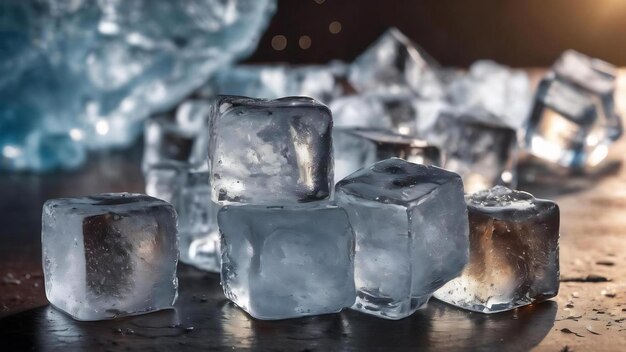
{"x": 287, "y": 262}
{"x": 514, "y": 253}
{"x": 478, "y": 146}
{"x": 395, "y": 64}
{"x": 567, "y": 125}
{"x": 188, "y": 190}
{"x": 410, "y": 223}
{"x": 109, "y": 255}
{"x": 598, "y": 78}
{"x": 355, "y": 148}
{"x": 270, "y": 152}
{"x": 169, "y": 141}
{"x": 496, "y": 89}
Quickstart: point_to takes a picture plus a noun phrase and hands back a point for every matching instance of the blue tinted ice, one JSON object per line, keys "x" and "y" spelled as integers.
{"x": 280, "y": 263}
{"x": 410, "y": 223}
{"x": 89, "y": 72}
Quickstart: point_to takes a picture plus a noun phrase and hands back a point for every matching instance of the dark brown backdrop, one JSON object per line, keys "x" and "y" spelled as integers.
{"x": 456, "y": 32}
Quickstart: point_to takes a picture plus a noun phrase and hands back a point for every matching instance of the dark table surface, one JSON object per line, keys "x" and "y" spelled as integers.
{"x": 586, "y": 315}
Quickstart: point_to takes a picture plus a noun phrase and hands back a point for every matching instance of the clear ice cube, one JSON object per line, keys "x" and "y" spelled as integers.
{"x": 494, "y": 88}
{"x": 270, "y": 152}
{"x": 357, "y": 148}
{"x": 478, "y": 146}
{"x": 567, "y": 125}
{"x": 395, "y": 64}
{"x": 514, "y": 253}
{"x": 109, "y": 255}
{"x": 287, "y": 262}
{"x": 410, "y": 223}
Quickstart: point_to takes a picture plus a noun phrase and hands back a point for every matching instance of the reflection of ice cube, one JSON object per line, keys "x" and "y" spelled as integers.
{"x": 395, "y": 64}
{"x": 514, "y": 253}
{"x": 495, "y": 89}
{"x": 280, "y": 262}
{"x": 411, "y": 230}
{"x": 477, "y": 146}
{"x": 357, "y": 148}
{"x": 270, "y": 151}
{"x": 109, "y": 255}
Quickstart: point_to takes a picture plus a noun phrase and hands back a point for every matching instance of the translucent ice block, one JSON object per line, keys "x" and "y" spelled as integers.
{"x": 478, "y": 146}
{"x": 356, "y": 148}
{"x": 410, "y": 223}
{"x": 109, "y": 255}
{"x": 274, "y": 152}
{"x": 281, "y": 262}
{"x": 514, "y": 253}
{"x": 395, "y": 64}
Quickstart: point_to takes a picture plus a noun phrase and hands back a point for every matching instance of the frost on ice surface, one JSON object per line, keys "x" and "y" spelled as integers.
{"x": 411, "y": 230}
{"x": 514, "y": 253}
{"x": 287, "y": 262}
{"x": 274, "y": 152}
{"x": 109, "y": 255}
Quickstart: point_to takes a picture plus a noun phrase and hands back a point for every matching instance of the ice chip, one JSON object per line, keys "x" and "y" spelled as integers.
{"x": 395, "y": 64}
{"x": 270, "y": 152}
{"x": 357, "y": 148}
{"x": 410, "y": 223}
{"x": 287, "y": 262}
{"x": 514, "y": 253}
{"x": 109, "y": 255}
{"x": 478, "y": 146}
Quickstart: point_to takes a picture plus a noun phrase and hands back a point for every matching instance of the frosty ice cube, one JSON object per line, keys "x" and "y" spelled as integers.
{"x": 395, "y": 64}
{"x": 170, "y": 141}
{"x": 478, "y": 146}
{"x": 270, "y": 152}
{"x": 514, "y": 253}
{"x": 280, "y": 263}
{"x": 109, "y": 255}
{"x": 410, "y": 223}
{"x": 356, "y": 148}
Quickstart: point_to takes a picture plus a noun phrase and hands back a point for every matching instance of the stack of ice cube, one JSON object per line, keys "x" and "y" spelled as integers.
{"x": 286, "y": 251}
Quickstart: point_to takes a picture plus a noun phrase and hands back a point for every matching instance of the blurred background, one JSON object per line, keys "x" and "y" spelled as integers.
{"x": 526, "y": 33}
